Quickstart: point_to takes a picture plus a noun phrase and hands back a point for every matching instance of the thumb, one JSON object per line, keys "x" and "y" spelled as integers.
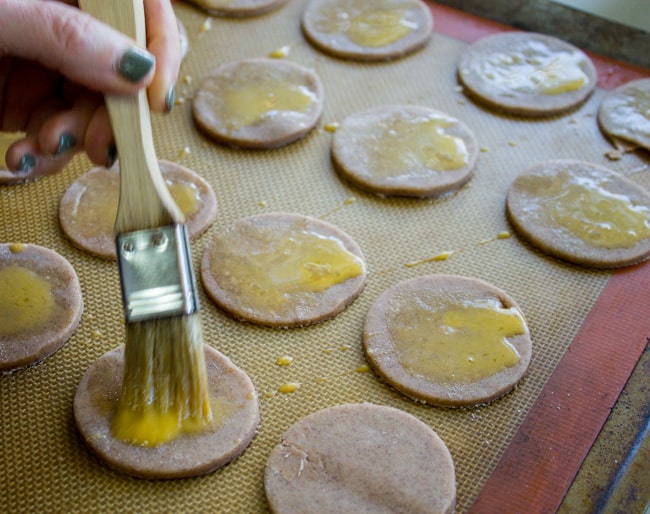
{"x": 65, "y": 39}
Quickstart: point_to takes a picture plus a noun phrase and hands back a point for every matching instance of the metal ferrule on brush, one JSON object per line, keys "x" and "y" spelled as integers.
{"x": 156, "y": 273}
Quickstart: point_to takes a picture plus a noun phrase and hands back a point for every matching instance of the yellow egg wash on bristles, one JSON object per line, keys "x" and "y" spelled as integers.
{"x": 164, "y": 388}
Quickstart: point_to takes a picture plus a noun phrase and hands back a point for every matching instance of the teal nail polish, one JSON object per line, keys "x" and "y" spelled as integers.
{"x": 66, "y": 142}
{"x": 111, "y": 155}
{"x": 27, "y": 163}
{"x": 171, "y": 97}
{"x": 135, "y": 64}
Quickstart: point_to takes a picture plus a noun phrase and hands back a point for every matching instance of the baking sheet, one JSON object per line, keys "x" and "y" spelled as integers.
{"x": 45, "y": 465}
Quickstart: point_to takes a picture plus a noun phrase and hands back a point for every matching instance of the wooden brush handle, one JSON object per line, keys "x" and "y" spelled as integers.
{"x": 145, "y": 201}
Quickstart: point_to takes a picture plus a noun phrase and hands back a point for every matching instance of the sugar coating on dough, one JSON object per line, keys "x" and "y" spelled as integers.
{"x": 88, "y": 207}
{"x": 239, "y": 273}
{"x": 398, "y": 309}
{"x": 362, "y": 457}
{"x": 226, "y": 102}
{"x": 235, "y": 409}
{"x": 624, "y": 113}
{"x": 367, "y": 30}
{"x": 581, "y": 212}
{"x": 404, "y": 150}
{"x": 33, "y": 344}
{"x": 526, "y": 73}
{"x": 238, "y": 8}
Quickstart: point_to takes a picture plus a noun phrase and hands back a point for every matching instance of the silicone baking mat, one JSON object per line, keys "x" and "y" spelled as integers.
{"x": 516, "y": 454}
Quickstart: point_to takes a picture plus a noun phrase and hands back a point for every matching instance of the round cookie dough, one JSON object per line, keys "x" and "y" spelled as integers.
{"x": 404, "y": 150}
{"x": 361, "y": 457}
{"x": 624, "y": 113}
{"x": 40, "y": 304}
{"x": 234, "y": 406}
{"x": 88, "y": 208}
{"x": 582, "y": 213}
{"x": 447, "y": 340}
{"x": 238, "y": 8}
{"x": 258, "y": 103}
{"x": 367, "y": 30}
{"x": 527, "y": 74}
{"x": 283, "y": 270}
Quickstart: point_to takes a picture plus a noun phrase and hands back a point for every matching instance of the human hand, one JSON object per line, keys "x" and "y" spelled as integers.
{"x": 56, "y": 62}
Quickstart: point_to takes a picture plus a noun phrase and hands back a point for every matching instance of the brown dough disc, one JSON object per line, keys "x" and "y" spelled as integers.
{"x": 84, "y": 206}
{"x": 399, "y": 303}
{"x": 537, "y": 188}
{"x": 238, "y": 8}
{"x": 326, "y": 24}
{"x": 362, "y": 457}
{"x": 360, "y": 155}
{"x": 482, "y": 71}
{"x": 30, "y": 345}
{"x": 275, "y": 128}
{"x": 625, "y": 113}
{"x": 189, "y": 454}
{"x": 228, "y": 255}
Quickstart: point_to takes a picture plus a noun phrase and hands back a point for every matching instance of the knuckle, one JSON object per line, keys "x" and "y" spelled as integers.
{"x": 72, "y": 35}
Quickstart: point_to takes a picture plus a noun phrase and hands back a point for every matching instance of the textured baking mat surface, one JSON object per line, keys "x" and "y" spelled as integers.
{"x": 45, "y": 465}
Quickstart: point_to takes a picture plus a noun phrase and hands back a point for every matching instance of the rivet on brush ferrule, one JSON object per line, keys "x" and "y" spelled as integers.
{"x": 156, "y": 273}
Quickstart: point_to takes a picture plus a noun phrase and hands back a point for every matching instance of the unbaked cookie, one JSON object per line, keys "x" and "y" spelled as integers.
{"x": 527, "y": 73}
{"x": 624, "y": 113}
{"x": 238, "y": 8}
{"x": 258, "y": 103}
{"x": 367, "y": 30}
{"x": 88, "y": 208}
{"x": 582, "y": 213}
{"x": 447, "y": 340}
{"x": 40, "y": 304}
{"x": 362, "y": 457}
{"x": 235, "y": 411}
{"x": 404, "y": 150}
{"x": 283, "y": 270}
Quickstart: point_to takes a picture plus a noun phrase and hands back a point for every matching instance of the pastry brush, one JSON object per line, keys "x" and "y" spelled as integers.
{"x": 164, "y": 389}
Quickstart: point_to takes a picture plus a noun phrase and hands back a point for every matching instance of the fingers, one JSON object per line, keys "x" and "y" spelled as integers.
{"x": 163, "y": 42}
{"x": 27, "y": 163}
{"x": 99, "y": 142}
{"x": 66, "y": 131}
{"x": 90, "y": 55}
{"x": 27, "y": 85}
{"x": 55, "y": 135}
{"x": 67, "y": 40}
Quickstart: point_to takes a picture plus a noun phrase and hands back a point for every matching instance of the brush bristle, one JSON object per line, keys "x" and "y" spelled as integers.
{"x": 165, "y": 371}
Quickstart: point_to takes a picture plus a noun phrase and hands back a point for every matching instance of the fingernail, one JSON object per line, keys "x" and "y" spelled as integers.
{"x": 171, "y": 96}
{"x": 135, "y": 64}
{"x": 111, "y": 155}
{"x": 66, "y": 142}
{"x": 27, "y": 163}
